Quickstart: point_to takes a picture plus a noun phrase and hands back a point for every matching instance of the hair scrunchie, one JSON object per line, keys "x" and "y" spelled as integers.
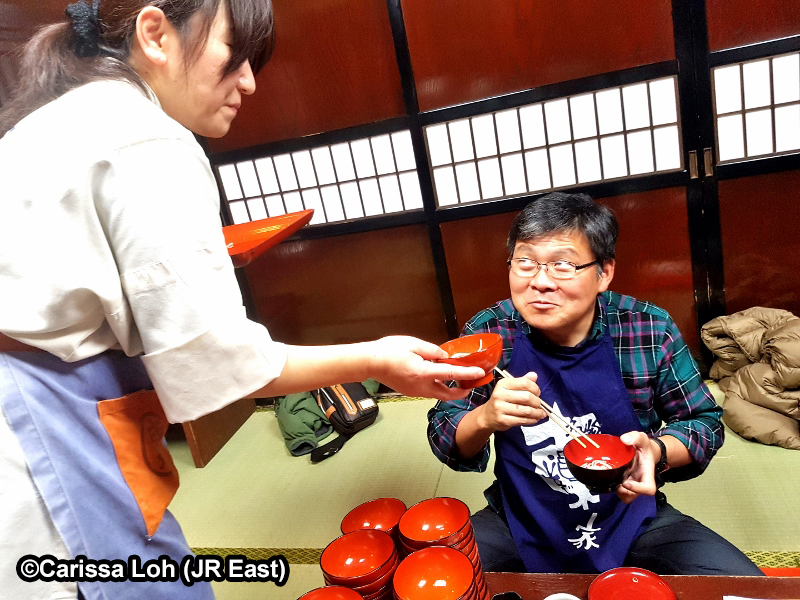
{"x": 86, "y": 25}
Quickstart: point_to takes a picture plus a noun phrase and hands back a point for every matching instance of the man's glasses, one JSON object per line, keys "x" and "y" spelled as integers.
{"x": 557, "y": 269}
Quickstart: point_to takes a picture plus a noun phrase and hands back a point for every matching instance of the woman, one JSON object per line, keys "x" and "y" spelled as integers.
{"x": 131, "y": 287}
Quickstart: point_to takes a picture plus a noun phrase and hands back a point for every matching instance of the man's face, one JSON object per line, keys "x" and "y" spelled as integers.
{"x": 562, "y": 309}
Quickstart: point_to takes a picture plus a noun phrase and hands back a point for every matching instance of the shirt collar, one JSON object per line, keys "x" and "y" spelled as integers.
{"x": 600, "y": 321}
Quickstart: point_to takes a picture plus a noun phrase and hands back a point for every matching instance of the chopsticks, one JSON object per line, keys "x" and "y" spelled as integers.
{"x": 575, "y": 433}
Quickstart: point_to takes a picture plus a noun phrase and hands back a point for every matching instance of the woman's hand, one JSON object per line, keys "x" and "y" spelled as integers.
{"x": 642, "y": 479}
{"x": 406, "y": 365}
{"x": 514, "y": 401}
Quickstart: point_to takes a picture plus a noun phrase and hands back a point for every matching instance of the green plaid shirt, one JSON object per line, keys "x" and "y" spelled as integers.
{"x": 665, "y": 387}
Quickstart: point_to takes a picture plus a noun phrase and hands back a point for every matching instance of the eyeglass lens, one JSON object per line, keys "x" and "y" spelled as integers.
{"x": 527, "y": 267}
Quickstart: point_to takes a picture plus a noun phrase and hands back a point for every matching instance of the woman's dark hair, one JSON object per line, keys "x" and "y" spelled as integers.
{"x": 558, "y": 212}
{"x": 58, "y": 59}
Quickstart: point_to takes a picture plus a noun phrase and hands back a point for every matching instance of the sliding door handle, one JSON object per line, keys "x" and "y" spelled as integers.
{"x": 708, "y": 162}
{"x": 693, "y": 173}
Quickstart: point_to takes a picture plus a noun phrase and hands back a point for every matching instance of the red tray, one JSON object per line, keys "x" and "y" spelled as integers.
{"x": 247, "y": 241}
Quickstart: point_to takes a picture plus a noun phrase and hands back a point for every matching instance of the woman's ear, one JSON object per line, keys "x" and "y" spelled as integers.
{"x": 154, "y": 35}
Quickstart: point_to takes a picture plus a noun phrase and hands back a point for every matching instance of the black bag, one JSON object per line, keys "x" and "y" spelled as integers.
{"x": 350, "y": 408}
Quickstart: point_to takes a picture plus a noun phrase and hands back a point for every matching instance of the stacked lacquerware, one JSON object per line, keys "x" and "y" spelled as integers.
{"x": 331, "y": 592}
{"x": 386, "y": 552}
{"x": 441, "y": 522}
{"x": 382, "y": 514}
{"x": 364, "y": 561}
{"x": 437, "y": 573}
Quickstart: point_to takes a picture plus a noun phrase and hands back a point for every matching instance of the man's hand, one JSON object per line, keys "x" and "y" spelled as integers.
{"x": 514, "y": 401}
{"x": 641, "y": 480}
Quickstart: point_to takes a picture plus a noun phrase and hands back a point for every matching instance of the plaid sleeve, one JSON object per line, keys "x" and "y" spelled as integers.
{"x": 686, "y": 406}
{"x": 443, "y": 420}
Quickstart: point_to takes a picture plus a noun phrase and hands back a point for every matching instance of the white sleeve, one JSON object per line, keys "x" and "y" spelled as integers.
{"x": 160, "y": 211}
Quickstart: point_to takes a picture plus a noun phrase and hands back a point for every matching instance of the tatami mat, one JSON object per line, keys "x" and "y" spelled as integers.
{"x": 746, "y": 495}
{"x": 255, "y": 494}
{"x": 256, "y": 499}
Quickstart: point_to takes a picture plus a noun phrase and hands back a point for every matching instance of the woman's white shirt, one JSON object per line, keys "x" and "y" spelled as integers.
{"x": 110, "y": 237}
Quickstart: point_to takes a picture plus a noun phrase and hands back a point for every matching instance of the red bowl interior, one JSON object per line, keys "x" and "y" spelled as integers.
{"x": 588, "y": 464}
{"x": 331, "y": 592}
{"x": 479, "y": 350}
{"x": 381, "y": 513}
{"x": 434, "y": 519}
{"x": 611, "y": 451}
{"x": 369, "y": 583}
{"x": 436, "y": 573}
{"x": 357, "y": 557}
{"x": 453, "y": 540}
{"x": 379, "y": 574}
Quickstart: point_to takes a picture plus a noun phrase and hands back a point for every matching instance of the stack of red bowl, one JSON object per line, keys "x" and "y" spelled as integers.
{"x": 441, "y": 522}
{"x": 331, "y": 592}
{"x": 436, "y": 573}
{"x": 382, "y": 514}
{"x": 364, "y": 561}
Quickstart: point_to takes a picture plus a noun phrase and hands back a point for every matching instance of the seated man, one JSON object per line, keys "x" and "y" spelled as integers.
{"x": 608, "y": 363}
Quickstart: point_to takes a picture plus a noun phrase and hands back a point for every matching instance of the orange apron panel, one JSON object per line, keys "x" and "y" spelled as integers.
{"x": 136, "y": 424}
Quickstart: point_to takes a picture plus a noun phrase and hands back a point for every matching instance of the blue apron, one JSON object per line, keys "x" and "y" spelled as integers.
{"x": 559, "y": 526}
{"x": 52, "y": 407}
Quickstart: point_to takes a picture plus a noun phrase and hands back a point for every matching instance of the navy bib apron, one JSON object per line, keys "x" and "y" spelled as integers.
{"x": 93, "y": 490}
{"x": 557, "y": 524}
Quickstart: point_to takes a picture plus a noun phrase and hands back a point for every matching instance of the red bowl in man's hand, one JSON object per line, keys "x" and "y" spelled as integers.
{"x": 600, "y": 469}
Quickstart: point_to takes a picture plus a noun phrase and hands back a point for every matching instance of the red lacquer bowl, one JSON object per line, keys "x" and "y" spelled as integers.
{"x": 478, "y": 350}
{"x": 331, "y": 592}
{"x": 600, "y": 469}
{"x": 625, "y": 583}
{"x": 436, "y": 573}
{"x": 381, "y": 513}
{"x": 358, "y": 558}
{"x": 441, "y": 520}
{"x": 247, "y": 241}
{"x": 381, "y": 584}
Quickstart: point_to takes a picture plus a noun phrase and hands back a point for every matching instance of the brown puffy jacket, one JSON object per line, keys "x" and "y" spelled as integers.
{"x": 758, "y": 365}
